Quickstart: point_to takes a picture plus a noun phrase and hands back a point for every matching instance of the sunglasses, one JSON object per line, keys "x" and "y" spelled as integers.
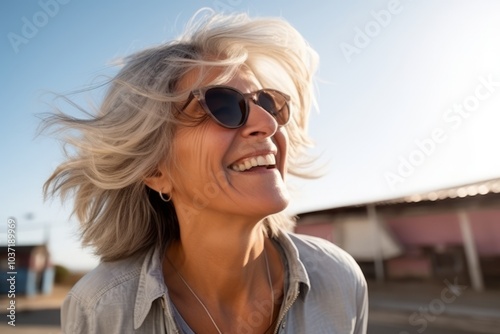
{"x": 229, "y": 107}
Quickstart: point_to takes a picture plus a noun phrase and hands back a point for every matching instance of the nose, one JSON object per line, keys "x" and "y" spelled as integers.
{"x": 259, "y": 121}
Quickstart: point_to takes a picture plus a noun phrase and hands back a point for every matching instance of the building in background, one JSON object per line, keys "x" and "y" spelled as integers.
{"x": 34, "y": 270}
{"x": 445, "y": 234}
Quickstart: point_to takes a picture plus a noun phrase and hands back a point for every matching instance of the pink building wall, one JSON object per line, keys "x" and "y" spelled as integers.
{"x": 427, "y": 230}
{"x": 486, "y": 230}
{"x": 444, "y": 229}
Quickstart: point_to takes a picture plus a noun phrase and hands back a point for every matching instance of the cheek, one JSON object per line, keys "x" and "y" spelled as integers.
{"x": 198, "y": 155}
{"x": 189, "y": 152}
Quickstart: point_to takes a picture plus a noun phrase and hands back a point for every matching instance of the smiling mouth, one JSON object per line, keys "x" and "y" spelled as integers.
{"x": 268, "y": 161}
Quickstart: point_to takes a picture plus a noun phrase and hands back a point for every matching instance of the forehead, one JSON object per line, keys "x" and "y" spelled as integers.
{"x": 241, "y": 78}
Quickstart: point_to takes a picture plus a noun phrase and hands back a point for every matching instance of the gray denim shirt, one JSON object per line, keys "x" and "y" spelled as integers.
{"x": 325, "y": 293}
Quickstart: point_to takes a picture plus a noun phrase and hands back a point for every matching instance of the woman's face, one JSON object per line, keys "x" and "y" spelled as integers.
{"x": 205, "y": 179}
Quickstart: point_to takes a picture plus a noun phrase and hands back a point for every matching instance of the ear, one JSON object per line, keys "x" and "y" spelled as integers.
{"x": 159, "y": 181}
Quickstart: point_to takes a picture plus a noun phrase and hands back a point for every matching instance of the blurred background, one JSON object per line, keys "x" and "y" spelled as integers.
{"x": 407, "y": 126}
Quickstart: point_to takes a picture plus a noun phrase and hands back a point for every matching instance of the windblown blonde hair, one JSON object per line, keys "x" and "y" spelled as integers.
{"x": 131, "y": 134}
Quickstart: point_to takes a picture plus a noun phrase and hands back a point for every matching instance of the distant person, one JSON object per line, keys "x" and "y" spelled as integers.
{"x": 178, "y": 181}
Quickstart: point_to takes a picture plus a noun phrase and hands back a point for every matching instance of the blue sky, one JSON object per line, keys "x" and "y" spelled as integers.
{"x": 409, "y": 93}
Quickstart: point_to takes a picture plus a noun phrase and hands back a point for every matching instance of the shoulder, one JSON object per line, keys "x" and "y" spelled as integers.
{"x": 110, "y": 283}
{"x": 324, "y": 260}
{"x": 337, "y": 286}
{"x": 335, "y": 295}
{"x": 105, "y": 278}
{"x": 318, "y": 251}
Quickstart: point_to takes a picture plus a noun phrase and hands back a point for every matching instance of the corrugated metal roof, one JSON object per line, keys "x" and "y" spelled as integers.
{"x": 481, "y": 188}
{"x": 473, "y": 189}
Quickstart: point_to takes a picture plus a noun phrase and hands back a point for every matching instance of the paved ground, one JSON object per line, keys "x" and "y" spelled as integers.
{"x": 37, "y": 302}
{"x": 4, "y": 329}
{"x": 445, "y": 307}
{"x": 35, "y": 315}
{"x": 34, "y": 321}
{"x": 401, "y": 329}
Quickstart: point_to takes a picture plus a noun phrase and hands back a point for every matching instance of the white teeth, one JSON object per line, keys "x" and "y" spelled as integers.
{"x": 270, "y": 160}
{"x": 261, "y": 160}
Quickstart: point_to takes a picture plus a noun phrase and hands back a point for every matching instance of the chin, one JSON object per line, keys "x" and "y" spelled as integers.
{"x": 275, "y": 204}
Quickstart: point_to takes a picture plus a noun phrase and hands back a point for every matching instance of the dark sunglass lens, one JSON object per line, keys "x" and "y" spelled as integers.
{"x": 274, "y": 103}
{"x": 226, "y": 105}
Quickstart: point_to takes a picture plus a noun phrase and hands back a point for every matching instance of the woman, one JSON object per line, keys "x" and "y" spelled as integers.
{"x": 179, "y": 185}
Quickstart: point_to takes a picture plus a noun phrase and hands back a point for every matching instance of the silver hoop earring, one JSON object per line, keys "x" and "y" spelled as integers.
{"x": 163, "y": 198}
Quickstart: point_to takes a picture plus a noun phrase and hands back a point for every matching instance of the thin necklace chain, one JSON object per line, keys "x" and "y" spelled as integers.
{"x": 206, "y": 309}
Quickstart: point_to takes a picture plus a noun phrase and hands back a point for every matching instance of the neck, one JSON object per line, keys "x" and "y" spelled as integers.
{"x": 220, "y": 260}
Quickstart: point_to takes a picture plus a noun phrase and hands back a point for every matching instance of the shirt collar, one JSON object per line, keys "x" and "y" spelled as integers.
{"x": 297, "y": 273}
{"x": 152, "y": 285}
